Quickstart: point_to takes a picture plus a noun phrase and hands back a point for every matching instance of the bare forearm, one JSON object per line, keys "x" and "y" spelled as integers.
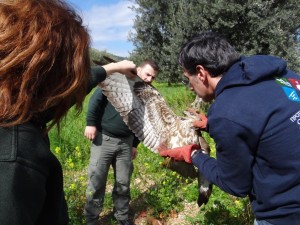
{"x": 125, "y": 66}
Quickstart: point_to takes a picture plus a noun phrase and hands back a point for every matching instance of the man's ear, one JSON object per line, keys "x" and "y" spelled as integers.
{"x": 201, "y": 73}
{"x": 138, "y": 70}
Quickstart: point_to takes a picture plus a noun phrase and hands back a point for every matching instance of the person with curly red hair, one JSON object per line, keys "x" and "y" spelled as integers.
{"x": 44, "y": 71}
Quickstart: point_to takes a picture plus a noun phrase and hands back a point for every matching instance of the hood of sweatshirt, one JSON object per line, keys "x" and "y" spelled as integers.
{"x": 251, "y": 69}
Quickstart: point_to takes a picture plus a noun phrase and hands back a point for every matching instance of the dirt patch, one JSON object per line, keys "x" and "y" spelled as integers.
{"x": 174, "y": 218}
{"x": 141, "y": 215}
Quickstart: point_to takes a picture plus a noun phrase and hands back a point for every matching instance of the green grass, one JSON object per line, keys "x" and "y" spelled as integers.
{"x": 154, "y": 189}
{"x": 177, "y": 96}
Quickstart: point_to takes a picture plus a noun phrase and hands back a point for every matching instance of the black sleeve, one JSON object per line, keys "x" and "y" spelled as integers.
{"x": 94, "y": 107}
{"x": 136, "y": 142}
{"x": 98, "y": 74}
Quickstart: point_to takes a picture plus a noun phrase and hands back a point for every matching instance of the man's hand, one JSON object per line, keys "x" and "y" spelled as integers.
{"x": 202, "y": 122}
{"x": 134, "y": 152}
{"x": 90, "y": 132}
{"x": 180, "y": 153}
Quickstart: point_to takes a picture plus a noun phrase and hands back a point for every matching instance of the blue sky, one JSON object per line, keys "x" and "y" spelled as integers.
{"x": 109, "y": 23}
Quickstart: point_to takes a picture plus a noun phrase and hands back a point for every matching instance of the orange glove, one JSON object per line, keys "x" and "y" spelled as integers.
{"x": 201, "y": 124}
{"x": 180, "y": 153}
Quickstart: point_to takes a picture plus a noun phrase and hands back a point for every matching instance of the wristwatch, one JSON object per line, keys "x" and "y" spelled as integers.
{"x": 197, "y": 151}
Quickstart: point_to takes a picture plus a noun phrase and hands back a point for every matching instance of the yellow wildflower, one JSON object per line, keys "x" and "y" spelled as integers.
{"x": 57, "y": 150}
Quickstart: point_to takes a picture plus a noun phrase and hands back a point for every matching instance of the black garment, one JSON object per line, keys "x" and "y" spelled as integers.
{"x": 31, "y": 185}
{"x": 31, "y": 189}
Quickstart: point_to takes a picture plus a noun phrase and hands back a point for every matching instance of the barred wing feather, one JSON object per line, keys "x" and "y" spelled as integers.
{"x": 146, "y": 113}
{"x": 149, "y": 117}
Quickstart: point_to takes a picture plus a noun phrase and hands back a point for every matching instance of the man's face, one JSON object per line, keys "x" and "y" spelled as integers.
{"x": 199, "y": 86}
{"x": 146, "y": 73}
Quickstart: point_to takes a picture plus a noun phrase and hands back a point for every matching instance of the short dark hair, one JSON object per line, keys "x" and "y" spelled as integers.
{"x": 150, "y": 62}
{"x": 210, "y": 50}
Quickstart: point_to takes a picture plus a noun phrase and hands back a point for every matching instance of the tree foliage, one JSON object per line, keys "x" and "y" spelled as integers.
{"x": 252, "y": 26}
{"x": 96, "y": 55}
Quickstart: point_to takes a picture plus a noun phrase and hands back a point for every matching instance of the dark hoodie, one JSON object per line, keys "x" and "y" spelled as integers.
{"x": 255, "y": 122}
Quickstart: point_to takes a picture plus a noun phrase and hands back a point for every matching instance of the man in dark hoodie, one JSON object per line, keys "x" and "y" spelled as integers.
{"x": 255, "y": 123}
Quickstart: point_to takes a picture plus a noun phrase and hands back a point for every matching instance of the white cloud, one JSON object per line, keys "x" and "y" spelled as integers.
{"x": 110, "y": 22}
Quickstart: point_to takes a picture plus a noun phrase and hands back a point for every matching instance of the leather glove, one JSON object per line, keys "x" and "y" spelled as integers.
{"x": 202, "y": 122}
{"x": 180, "y": 153}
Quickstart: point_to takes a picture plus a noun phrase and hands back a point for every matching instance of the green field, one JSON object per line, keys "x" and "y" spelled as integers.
{"x": 156, "y": 191}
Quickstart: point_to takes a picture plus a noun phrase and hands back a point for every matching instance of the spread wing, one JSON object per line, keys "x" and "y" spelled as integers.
{"x": 147, "y": 114}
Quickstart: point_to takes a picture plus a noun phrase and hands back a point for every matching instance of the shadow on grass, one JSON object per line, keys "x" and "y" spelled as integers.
{"x": 138, "y": 208}
{"x": 221, "y": 214}
{"x": 142, "y": 214}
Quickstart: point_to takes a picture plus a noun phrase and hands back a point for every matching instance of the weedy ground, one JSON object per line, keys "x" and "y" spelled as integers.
{"x": 159, "y": 195}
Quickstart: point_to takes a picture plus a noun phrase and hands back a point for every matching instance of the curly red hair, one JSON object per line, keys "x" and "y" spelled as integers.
{"x": 44, "y": 60}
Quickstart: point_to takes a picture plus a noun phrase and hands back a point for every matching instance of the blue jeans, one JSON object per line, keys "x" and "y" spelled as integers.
{"x": 106, "y": 151}
{"x": 261, "y": 222}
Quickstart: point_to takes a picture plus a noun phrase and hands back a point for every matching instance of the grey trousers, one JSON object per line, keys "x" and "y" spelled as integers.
{"x": 106, "y": 151}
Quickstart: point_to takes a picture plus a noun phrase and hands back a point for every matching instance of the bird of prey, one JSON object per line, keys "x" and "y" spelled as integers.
{"x": 147, "y": 114}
